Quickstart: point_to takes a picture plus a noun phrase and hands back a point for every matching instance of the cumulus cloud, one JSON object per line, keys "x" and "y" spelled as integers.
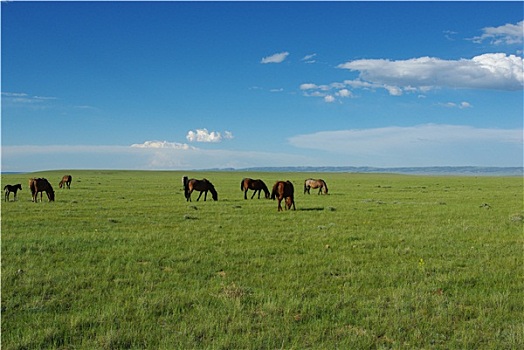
{"x": 507, "y": 34}
{"x": 496, "y": 71}
{"x": 421, "y": 145}
{"x": 329, "y": 99}
{"x": 203, "y": 135}
{"x": 344, "y": 93}
{"x": 162, "y": 144}
{"x": 308, "y": 86}
{"x": 276, "y": 58}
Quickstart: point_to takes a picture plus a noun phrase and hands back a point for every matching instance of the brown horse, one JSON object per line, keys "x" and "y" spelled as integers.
{"x": 281, "y": 190}
{"x": 202, "y": 186}
{"x": 256, "y": 185}
{"x": 41, "y": 185}
{"x": 11, "y": 188}
{"x": 315, "y": 183}
{"x": 66, "y": 180}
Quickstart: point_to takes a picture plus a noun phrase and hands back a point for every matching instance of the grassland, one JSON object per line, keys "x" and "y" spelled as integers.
{"x": 122, "y": 261}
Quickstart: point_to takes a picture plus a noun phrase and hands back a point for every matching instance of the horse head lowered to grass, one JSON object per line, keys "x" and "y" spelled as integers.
{"x": 284, "y": 190}
{"x": 315, "y": 183}
{"x": 255, "y": 185}
{"x": 203, "y": 186}
{"x": 39, "y": 186}
{"x": 66, "y": 181}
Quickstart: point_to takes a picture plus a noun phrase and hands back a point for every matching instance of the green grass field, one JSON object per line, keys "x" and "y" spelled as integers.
{"x": 122, "y": 261}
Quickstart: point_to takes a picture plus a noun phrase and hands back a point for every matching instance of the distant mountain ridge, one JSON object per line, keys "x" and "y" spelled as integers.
{"x": 436, "y": 170}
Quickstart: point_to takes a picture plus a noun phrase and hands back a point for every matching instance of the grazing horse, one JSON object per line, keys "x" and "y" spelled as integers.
{"x": 318, "y": 183}
{"x": 41, "y": 185}
{"x": 202, "y": 186}
{"x": 11, "y": 188}
{"x": 256, "y": 185}
{"x": 66, "y": 180}
{"x": 281, "y": 190}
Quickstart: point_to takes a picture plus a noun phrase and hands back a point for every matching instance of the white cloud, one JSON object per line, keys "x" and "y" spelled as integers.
{"x": 329, "y": 99}
{"x": 276, "y": 58}
{"x": 496, "y": 71}
{"x": 344, "y": 93}
{"x": 506, "y": 34}
{"x": 308, "y": 86}
{"x": 309, "y": 58}
{"x": 41, "y": 157}
{"x": 465, "y": 104}
{"x": 421, "y": 145}
{"x": 163, "y": 144}
{"x": 203, "y": 135}
{"x": 461, "y": 105}
{"x": 23, "y": 98}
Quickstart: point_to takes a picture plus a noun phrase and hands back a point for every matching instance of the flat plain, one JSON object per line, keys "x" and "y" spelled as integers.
{"x": 122, "y": 261}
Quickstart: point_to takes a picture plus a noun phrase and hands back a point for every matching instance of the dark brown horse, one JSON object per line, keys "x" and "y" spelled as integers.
{"x": 256, "y": 185}
{"x": 281, "y": 190}
{"x": 315, "y": 183}
{"x": 202, "y": 186}
{"x": 66, "y": 180}
{"x": 41, "y": 185}
{"x": 11, "y": 188}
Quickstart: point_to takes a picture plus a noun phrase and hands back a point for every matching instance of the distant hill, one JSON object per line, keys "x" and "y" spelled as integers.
{"x": 437, "y": 170}
{"x": 461, "y": 170}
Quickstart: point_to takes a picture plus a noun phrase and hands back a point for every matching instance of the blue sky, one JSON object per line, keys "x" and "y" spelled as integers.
{"x": 196, "y": 85}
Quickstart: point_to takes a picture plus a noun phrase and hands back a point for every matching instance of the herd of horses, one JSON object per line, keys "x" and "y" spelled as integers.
{"x": 38, "y": 185}
{"x": 281, "y": 191}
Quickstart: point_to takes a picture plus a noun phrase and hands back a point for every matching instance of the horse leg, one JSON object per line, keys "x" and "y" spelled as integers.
{"x": 205, "y": 195}
{"x": 6, "y": 196}
{"x": 200, "y": 195}
{"x": 279, "y": 205}
{"x": 245, "y": 194}
{"x": 320, "y": 190}
{"x": 255, "y": 192}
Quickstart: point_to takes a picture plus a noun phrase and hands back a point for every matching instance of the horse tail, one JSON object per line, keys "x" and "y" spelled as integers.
{"x": 325, "y": 187}
{"x": 186, "y": 186}
{"x": 274, "y": 191}
{"x": 242, "y": 184}
{"x": 5, "y": 187}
